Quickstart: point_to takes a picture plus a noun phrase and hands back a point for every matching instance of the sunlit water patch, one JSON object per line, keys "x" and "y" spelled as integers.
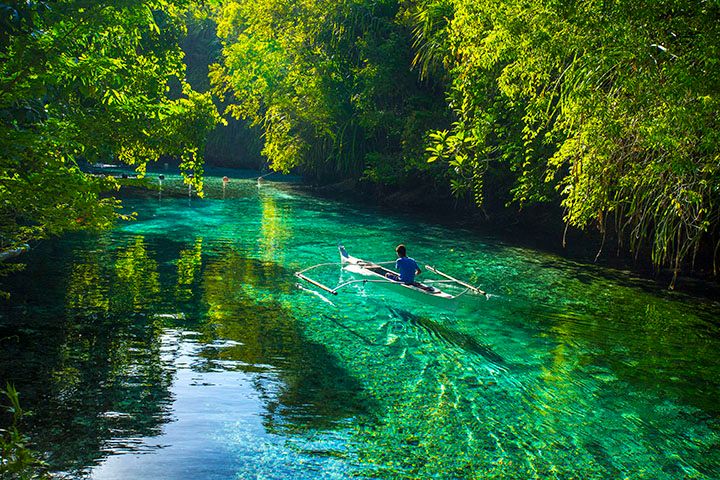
{"x": 180, "y": 346}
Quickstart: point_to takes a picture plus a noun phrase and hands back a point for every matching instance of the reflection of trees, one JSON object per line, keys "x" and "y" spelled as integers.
{"x": 86, "y": 290}
{"x": 137, "y": 276}
{"x": 109, "y": 383}
{"x": 100, "y": 284}
{"x": 302, "y": 383}
{"x": 95, "y": 357}
{"x": 95, "y": 354}
{"x": 274, "y": 230}
{"x": 188, "y": 267}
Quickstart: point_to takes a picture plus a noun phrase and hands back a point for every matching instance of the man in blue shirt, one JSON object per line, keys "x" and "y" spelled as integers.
{"x": 407, "y": 267}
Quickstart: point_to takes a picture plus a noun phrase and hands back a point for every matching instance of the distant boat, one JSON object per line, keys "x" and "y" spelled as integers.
{"x": 13, "y": 252}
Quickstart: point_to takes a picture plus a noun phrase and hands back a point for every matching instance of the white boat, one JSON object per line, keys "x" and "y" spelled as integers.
{"x": 376, "y": 273}
{"x": 13, "y": 252}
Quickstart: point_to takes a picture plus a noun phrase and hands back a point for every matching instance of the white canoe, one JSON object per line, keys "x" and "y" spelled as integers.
{"x": 377, "y": 274}
{"x": 384, "y": 276}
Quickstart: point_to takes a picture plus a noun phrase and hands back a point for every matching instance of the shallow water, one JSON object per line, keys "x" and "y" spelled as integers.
{"x": 179, "y": 346}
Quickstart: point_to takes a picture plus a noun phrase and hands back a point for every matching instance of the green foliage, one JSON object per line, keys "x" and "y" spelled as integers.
{"x": 89, "y": 80}
{"x": 613, "y": 105}
{"x": 17, "y": 460}
{"x": 329, "y": 84}
{"x": 234, "y": 143}
{"x": 608, "y": 110}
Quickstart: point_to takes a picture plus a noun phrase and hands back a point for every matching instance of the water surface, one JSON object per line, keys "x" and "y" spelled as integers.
{"x": 179, "y": 346}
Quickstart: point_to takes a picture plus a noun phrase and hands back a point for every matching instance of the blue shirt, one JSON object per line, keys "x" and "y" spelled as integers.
{"x": 407, "y": 268}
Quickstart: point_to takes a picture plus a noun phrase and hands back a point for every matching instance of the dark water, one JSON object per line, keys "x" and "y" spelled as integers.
{"x": 179, "y": 346}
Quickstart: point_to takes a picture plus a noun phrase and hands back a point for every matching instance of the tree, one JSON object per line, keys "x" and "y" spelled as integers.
{"x": 611, "y": 104}
{"x": 88, "y": 80}
{"x": 329, "y": 84}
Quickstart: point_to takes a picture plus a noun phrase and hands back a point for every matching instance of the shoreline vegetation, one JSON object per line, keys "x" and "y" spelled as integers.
{"x": 598, "y": 118}
{"x": 588, "y": 124}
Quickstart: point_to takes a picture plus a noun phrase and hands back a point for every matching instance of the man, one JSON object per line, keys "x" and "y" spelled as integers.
{"x": 407, "y": 267}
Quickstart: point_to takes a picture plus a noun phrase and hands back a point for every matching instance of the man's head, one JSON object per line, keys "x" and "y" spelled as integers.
{"x": 400, "y": 249}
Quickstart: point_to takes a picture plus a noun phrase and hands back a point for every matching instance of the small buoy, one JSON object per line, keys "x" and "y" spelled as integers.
{"x": 161, "y": 177}
{"x": 226, "y": 179}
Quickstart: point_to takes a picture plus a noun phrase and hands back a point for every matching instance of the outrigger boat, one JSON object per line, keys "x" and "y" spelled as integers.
{"x": 376, "y": 273}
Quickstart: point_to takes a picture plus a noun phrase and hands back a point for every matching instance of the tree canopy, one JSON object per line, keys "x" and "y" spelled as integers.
{"x": 329, "y": 84}
{"x": 88, "y": 80}
{"x": 611, "y": 104}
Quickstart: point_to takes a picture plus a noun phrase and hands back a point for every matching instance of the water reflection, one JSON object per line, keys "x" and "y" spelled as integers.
{"x": 188, "y": 269}
{"x": 87, "y": 289}
{"x": 105, "y": 378}
{"x": 307, "y": 388}
{"x": 96, "y": 373}
{"x": 137, "y": 282}
{"x": 274, "y": 230}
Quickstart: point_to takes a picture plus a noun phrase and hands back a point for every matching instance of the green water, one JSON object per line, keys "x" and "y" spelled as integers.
{"x": 179, "y": 346}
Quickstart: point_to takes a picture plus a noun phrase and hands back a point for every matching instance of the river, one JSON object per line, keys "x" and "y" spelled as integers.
{"x": 179, "y": 346}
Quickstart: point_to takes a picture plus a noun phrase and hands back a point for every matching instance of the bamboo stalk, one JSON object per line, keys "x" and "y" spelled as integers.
{"x": 316, "y": 283}
{"x": 319, "y": 265}
{"x": 459, "y": 282}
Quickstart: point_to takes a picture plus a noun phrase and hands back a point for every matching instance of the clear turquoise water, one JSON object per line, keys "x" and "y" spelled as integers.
{"x": 179, "y": 346}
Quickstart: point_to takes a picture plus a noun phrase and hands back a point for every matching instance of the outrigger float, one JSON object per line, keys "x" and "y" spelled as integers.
{"x": 376, "y": 273}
